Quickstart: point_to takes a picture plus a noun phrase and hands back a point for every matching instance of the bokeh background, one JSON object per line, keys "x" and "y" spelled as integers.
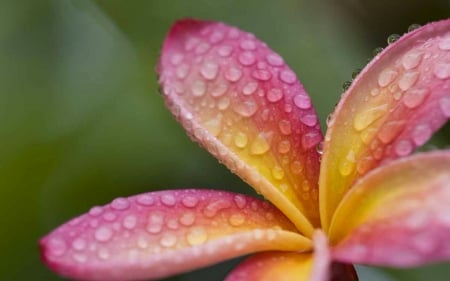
{"x": 81, "y": 121}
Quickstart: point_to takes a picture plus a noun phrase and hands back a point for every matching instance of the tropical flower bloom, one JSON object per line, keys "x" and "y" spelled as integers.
{"x": 353, "y": 197}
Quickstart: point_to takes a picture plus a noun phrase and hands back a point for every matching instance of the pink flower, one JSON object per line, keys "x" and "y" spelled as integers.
{"x": 355, "y": 197}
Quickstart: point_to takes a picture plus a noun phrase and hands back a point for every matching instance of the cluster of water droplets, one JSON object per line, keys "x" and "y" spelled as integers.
{"x": 224, "y": 85}
{"x": 157, "y": 223}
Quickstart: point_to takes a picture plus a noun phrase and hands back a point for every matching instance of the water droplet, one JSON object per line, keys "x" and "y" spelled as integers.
{"x": 386, "y": 77}
{"x": 413, "y": 27}
{"x": 240, "y": 201}
{"x": 262, "y": 75}
{"x": 302, "y": 101}
{"x": 109, "y": 216}
{"x": 145, "y": 200}
{"x": 376, "y": 51}
{"x": 375, "y": 92}
{"x": 196, "y": 236}
{"x": 421, "y": 134}
{"x": 274, "y": 94}
{"x": 103, "y": 254}
{"x": 347, "y": 165}
{"x": 319, "y": 148}
{"x": 216, "y": 37}
{"x": 96, "y": 211}
{"x": 392, "y": 38}
{"x": 120, "y": 204}
{"x": 403, "y": 147}
{"x": 223, "y": 103}
{"x": 79, "y": 244}
{"x": 274, "y": 59}
{"x": 278, "y": 173}
{"x": 176, "y": 59}
{"x": 219, "y": 89}
{"x": 408, "y": 79}
{"x": 309, "y": 120}
{"x": 249, "y": 88}
{"x": 168, "y": 240}
{"x": 79, "y": 257}
{"x": 247, "y": 58}
{"x": 364, "y": 165}
{"x": 346, "y": 85}
{"x": 168, "y": 200}
{"x": 260, "y": 145}
{"x": 214, "y": 125}
{"x": 296, "y": 167}
{"x": 240, "y": 140}
{"x": 225, "y": 51}
{"x": 285, "y": 127}
{"x": 284, "y": 146}
{"x": 191, "y": 43}
{"x": 310, "y": 140}
{"x": 215, "y": 207}
{"x": 237, "y": 219}
{"x": 198, "y": 88}
{"x": 246, "y": 108}
{"x": 442, "y": 70}
{"x": 444, "y": 104}
{"x": 356, "y": 73}
{"x": 129, "y": 222}
{"x": 172, "y": 224}
{"x": 233, "y": 74}
{"x": 103, "y": 234}
{"x": 209, "y": 70}
{"x": 189, "y": 201}
{"x": 363, "y": 119}
{"x": 412, "y": 59}
{"x": 155, "y": 223}
{"x": 202, "y": 48}
{"x": 415, "y": 97}
{"x": 444, "y": 43}
{"x": 390, "y": 130}
{"x": 182, "y": 71}
{"x": 57, "y": 247}
{"x": 248, "y": 45}
{"x": 187, "y": 219}
{"x": 288, "y": 76}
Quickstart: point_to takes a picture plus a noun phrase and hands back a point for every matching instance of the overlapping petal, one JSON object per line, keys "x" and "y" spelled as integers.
{"x": 240, "y": 100}
{"x": 393, "y": 106}
{"x": 398, "y": 215}
{"x": 162, "y": 233}
{"x": 290, "y": 266}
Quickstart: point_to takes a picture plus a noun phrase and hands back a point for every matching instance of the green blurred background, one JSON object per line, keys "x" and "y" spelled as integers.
{"x": 82, "y": 123}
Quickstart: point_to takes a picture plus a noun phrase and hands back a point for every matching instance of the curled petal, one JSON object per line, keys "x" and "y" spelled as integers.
{"x": 239, "y": 100}
{"x": 398, "y": 215}
{"x": 158, "y": 234}
{"x": 287, "y": 266}
{"x": 393, "y": 106}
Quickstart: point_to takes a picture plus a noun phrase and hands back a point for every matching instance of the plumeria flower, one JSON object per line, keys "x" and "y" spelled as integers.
{"x": 354, "y": 196}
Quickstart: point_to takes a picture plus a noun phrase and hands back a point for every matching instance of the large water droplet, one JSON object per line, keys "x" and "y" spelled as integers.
{"x": 262, "y": 75}
{"x": 96, "y": 211}
{"x": 247, "y": 58}
{"x": 216, "y": 37}
{"x": 444, "y": 43}
{"x": 390, "y": 130}
{"x": 421, "y": 134}
{"x": 187, "y": 219}
{"x": 176, "y": 59}
{"x": 109, "y": 216}
{"x": 278, "y": 173}
{"x": 403, "y": 147}
{"x": 225, "y": 51}
{"x": 168, "y": 200}
{"x": 182, "y": 71}
{"x": 413, "y": 27}
{"x": 214, "y": 207}
{"x": 233, "y": 74}
{"x": 249, "y": 88}
{"x": 363, "y": 119}
{"x": 236, "y": 219}
{"x": 223, "y": 103}
{"x": 246, "y": 108}
{"x": 79, "y": 244}
{"x": 284, "y": 146}
{"x": 196, "y": 236}
{"x": 214, "y": 125}
{"x": 296, "y": 167}
{"x": 310, "y": 140}
{"x": 248, "y": 44}
{"x": 412, "y": 59}
{"x": 444, "y": 104}
{"x": 103, "y": 234}
{"x": 103, "y": 254}
{"x": 392, "y": 38}
{"x": 57, "y": 247}
{"x": 240, "y": 201}
{"x": 386, "y": 77}
{"x": 347, "y": 165}
{"x": 219, "y": 89}
{"x": 80, "y": 257}
{"x": 202, "y": 48}
{"x": 198, "y": 88}
{"x": 120, "y": 204}
{"x": 155, "y": 223}
{"x": 309, "y": 120}
{"x": 442, "y": 70}
{"x": 209, "y": 70}
{"x": 285, "y": 127}
{"x": 415, "y": 97}
{"x": 240, "y": 140}
{"x": 274, "y": 59}
{"x": 189, "y": 201}
{"x": 145, "y": 200}
{"x": 260, "y": 145}
{"x": 302, "y": 101}
{"x": 274, "y": 94}
{"x": 168, "y": 240}
{"x": 364, "y": 165}
{"x": 407, "y": 80}
{"x": 288, "y": 76}
{"x": 129, "y": 222}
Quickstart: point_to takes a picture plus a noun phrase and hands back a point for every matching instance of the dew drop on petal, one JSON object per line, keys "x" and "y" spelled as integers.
{"x": 240, "y": 140}
{"x": 260, "y": 145}
{"x": 109, "y": 216}
{"x": 196, "y": 236}
{"x": 421, "y": 134}
{"x": 187, "y": 218}
{"x": 209, "y": 70}
{"x": 155, "y": 223}
{"x": 96, "y": 211}
{"x": 168, "y": 240}
{"x": 236, "y": 219}
{"x": 415, "y": 97}
{"x": 214, "y": 207}
{"x": 412, "y": 59}
{"x": 248, "y": 45}
{"x": 274, "y": 59}
{"x": 168, "y": 200}
{"x": 408, "y": 80}
{"x": 444, "y": 104}
{"x": 284, "y": 146}
{"x": 246, "y": 108}
{"x": 240, "y": 201}
{"x": 189, "y": 201}
{"x": 249, "y": 88}
{"x": 247, "y": 58}
{"x": 198, "y": 88}
{"x": 302, "y": 101}
{"x": 233, "y": 74}
{"x": 309, "y": 120}
{"x": 444, "y": 44}
{"x": 403, "y": 147}
{"x": 310, "y": 140}
{"x": 216, "y": 37}
{"x": 386, "y": 77}
{"x": 182, "y": 71}
{"x": 262, "y": 75}
{"x": 120, "y": 204}
{"x": 219, "y": 89}
{"x": 296, "y": 167}
{"x": 278, "y": 173}
{"x": 225, "y": 50}
{"x": 129, "y": 222}
{"x": 223, "y": 103}
{"x": 57, "y": 247}
{"x": 285, "y": 127}
{"x": 442, "y": 70}
{"x": 274, "y": 95}
{"x": 363, "y": 119}
{"x": 103, "y": 234}
{"x": 79, "y": 244}
{"x": 145, "y": 200}
{"x": 288, "y": 76}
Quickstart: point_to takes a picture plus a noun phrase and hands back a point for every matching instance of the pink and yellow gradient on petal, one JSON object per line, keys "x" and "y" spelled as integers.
{"x": 239, "y": 100}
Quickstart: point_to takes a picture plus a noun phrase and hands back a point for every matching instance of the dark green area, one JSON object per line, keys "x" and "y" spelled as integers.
{"x": 81, "y": 121}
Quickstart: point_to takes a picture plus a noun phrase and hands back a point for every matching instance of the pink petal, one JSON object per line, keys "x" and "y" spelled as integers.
{"x": 239, "y": 100}
{"x": 287, "y": 266}
{"x": 158, "y": 234}
{"x": 398, "y": 215}
{"x": 397, "y": 102}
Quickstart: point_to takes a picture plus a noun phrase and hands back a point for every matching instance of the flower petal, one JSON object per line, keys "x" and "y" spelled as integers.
{"x": 287, "y": 266}
{"x": 159, "y": 234}
{"x": 397, "y": 215}
{"x": 392, "y": 107}
{"x": 239, "y": 100}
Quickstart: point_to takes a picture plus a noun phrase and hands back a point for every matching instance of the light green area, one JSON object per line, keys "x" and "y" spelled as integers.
{"x": 82, "y": 121}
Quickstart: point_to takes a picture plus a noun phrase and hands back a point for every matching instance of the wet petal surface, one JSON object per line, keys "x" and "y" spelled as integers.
{"x": 393, "y": 106}
{"x": 240, "y": 100}
{"x": 159, "y": 234}
{"x": 398, "y": 215}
